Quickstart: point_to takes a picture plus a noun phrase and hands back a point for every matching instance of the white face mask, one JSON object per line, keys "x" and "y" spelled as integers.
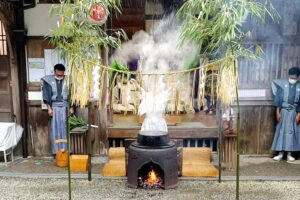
{"x": 58, "y": 78}
{"x": 292, "y": 81}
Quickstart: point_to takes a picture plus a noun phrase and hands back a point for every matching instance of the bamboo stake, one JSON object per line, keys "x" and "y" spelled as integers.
{"x": 238, "y": 135}
{"x": 89, "y": 144}
{"x": 69, "y": 146}
{"x": 220, "y": 140}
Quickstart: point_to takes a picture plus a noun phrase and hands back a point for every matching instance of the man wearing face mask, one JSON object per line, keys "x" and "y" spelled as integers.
{"x": 287, "y": 97}
{"x": 55, "y": 96}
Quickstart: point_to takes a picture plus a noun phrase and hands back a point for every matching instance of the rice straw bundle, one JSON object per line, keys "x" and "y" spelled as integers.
{"x": 80, "y": 81}
{"x": 227, "y": 83}
{"x": 194, "y": 86}
{"x": 201, "y": 87}
{"x": 111, "y": 90}
{"x": 178, "y": 89}
{"x": 102, "y": 87}
{"x": 180, "y": 84}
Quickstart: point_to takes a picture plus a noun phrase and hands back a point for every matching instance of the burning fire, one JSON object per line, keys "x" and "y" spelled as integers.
{"x": 152, "y": 177}
{"x": 151, "y": 180}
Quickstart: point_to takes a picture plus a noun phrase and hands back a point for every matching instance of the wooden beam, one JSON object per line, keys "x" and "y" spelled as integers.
{"x": 174, "y": 133}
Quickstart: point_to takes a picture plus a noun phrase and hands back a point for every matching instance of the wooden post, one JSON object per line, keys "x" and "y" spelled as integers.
{"x": 103, "y": 112}
{"x": 89, "y": 145}
{"x": 109, "y": 28}
{"x": 19, "y": 38}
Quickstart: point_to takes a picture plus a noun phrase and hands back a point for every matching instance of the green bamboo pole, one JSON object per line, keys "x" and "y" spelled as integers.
{"x": 220, "y": 141}
{"x": 89, "y": 143}
{"x": 238, "y": 136}
{"x": 69, "y": 148}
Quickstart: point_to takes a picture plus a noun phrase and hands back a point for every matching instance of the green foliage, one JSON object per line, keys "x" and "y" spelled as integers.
{"x": 76, "y": 122}
{"x": 216, "y": 25}
{"x": 118, "y": 66}
{"x": 75, "y": 36}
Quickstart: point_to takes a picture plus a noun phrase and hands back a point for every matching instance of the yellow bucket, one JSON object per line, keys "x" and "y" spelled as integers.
{"x": 62, "y": 159}
{"x": 79, "y": 163}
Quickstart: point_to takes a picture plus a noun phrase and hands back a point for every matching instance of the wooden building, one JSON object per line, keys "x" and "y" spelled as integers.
{"x": 281, "y": 45}
{"x": 13, "y": 84}
{"x": 19, "y": 96}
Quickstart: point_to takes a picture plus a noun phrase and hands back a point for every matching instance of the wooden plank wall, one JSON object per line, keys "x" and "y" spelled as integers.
{"x": 257, "y": 129}
{"x": 39, "y": 121}
{"x": 277, "y": 58}
{"x": 291, "y": 57}
{"x": 260, "y": 73}
{"x": 39, "y": 139}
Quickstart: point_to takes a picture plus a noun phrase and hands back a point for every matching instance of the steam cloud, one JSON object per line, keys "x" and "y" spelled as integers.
{"x": 159, "y": 51}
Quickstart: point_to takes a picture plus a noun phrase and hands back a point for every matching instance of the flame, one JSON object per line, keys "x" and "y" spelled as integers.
{"x": 152, "y": 177}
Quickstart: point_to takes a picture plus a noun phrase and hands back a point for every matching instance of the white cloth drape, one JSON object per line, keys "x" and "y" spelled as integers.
{"x": 10, "y": 134}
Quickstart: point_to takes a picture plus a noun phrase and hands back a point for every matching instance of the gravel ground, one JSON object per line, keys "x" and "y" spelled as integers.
{"x": 250, "y": 166}
{"x": 23, "y": 188}
{"x": 265, "y": 166}
{"x": 45, "y": 165}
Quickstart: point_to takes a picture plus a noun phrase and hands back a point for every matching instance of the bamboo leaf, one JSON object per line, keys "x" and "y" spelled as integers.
{"x": 217, "y": 25}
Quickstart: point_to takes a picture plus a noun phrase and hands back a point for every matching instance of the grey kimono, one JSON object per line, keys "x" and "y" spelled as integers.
{"x": 287, "y": 135}
{"x": 55, "y": 93}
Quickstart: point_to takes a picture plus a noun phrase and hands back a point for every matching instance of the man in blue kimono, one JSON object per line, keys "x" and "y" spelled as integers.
{"x": 55, "y": 96}
{"x": 287, "y": 97}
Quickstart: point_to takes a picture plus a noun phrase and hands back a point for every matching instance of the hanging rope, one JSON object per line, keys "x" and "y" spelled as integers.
{"x": 81, "y": 83}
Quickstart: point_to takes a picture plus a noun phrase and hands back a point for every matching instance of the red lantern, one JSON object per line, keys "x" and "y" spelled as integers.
{"x": 96, "y": 14}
